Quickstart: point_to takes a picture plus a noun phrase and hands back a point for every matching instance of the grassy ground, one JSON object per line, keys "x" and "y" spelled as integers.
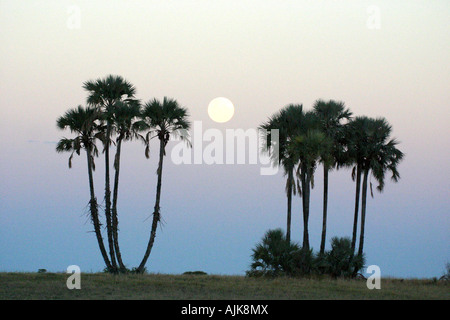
{"x": 209, "y": 287}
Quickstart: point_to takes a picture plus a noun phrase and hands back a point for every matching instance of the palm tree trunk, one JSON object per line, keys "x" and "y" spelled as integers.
{"x": 94, "y": 212}
{"x": 289, "y": 204}
{"x": 363, "y": 212}
{"x": 305, "y": 203}
{"x": 156, "y": 213}
{"x": 108, "y": 201}
{"x": 355, "y": 218}
{"x": 115, "y": 221}
{"x": 325, "y": 204}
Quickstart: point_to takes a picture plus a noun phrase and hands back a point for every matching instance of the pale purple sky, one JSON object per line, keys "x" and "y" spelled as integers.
{"x": 382, "y": 58}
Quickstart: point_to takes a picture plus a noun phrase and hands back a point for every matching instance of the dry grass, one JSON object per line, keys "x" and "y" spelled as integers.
{"x": 46, "y": 286}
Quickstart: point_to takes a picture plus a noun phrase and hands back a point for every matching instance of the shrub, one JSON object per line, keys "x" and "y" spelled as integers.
{"x": 274, "y": 256}
{"x": 339, "y": 261}
{"x": 195, "y": 273}
{"x": 304, "y": 262}
{"x": 446, "y": 275}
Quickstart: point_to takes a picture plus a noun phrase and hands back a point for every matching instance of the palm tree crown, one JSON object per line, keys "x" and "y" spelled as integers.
{"x": 164, "y": 118}
{"x": 109, "y": 90}
{"x": 125, "y": 119}
{"x": 81, "y": 121}
{"x": 380, "y": 153}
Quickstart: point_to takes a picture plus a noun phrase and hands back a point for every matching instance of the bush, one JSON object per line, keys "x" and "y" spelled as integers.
{"x": 339, "y": 261}
{"x": 446, "y": 275}
{"x": 275, "y": 256}
{"x": 195, "y": 273}
{"x": 304, "y": 262}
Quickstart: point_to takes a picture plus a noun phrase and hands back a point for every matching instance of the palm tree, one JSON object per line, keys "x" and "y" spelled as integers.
{"x": 82, "y": 121}
{"x": 123, "y": 120}
{"x": 381, "y": 156}
{"x": 105, "y": 94}
{"x": 372, "y": 150}
{"x": 286, "y": 121}
{"x": 331, "y": 114}
{"x": 354, "y": 139}
{"x": 162, "y": 119}
{"x": 308, "y": 146}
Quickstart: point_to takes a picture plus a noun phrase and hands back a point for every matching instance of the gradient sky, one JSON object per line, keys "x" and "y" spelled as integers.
{"x": 261, "y": 55}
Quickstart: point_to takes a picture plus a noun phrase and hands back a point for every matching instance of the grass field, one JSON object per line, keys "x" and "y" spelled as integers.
{"x": 45, "y": 286}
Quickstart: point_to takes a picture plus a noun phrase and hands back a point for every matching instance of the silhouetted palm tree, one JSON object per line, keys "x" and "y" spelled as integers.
{"x": 331, "y": 114}
{"x": 372, "y": 151}
{"x": 162, "y": 119}
{"x": 308, "y": 146}
{"x": 382, "y": 156}
{"x": 125, "y": 125}
{"x": 354, "y": 138}
{"x": 105, "y": 94}
{"x": 82, "y": 121}
{"x": 287, "y": 122}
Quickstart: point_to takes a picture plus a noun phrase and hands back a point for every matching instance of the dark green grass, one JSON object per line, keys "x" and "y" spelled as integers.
{"x": 210, "y": 287}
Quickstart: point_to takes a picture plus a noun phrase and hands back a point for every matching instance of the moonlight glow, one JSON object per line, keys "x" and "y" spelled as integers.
{"x": 220, "y": 109}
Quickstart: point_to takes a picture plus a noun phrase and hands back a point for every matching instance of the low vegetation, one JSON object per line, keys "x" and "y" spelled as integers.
{"x": 104, "y": 286}
{"x": 277, "y": 256}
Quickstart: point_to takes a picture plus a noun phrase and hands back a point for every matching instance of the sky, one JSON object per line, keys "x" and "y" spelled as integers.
{"x": 382, "y": 58}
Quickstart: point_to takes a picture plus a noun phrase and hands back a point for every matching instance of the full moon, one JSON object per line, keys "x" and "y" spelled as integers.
{"x": 220, "y": 109}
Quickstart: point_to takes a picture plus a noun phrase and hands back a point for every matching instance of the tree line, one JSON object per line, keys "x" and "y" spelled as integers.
{"x": 327, "y": 135}
{"x": 330, "y": 136}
